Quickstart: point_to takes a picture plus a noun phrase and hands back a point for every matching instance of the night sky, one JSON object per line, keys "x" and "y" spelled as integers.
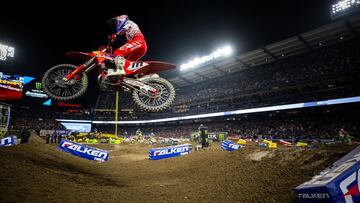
{"x": 175, "y": 30}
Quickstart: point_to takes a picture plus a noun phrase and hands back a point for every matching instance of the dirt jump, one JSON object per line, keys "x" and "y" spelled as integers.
{"x": 39, "y": 172}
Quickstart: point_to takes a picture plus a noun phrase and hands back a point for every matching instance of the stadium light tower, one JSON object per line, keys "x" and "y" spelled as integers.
{"x": 6, "y": 51}
{"x": 344, "y": 7}
{"x": 217, "y": 54}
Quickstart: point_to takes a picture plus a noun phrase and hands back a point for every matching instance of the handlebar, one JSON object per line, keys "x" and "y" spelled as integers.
{"x": 110, "y": 43}
{"x": 111, "y": 40}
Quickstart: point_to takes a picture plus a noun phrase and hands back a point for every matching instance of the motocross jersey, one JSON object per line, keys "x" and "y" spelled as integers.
{"x": 131, "y": 30}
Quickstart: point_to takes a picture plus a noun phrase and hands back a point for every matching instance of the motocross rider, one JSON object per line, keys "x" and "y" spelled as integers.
{"x": 133, "y": 50}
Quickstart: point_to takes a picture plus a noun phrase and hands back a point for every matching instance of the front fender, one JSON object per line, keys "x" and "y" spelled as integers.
{"x": 79, "y": 55}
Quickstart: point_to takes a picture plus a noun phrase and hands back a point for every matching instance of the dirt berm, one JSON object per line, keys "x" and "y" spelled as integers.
{"x": 39, "y": 172}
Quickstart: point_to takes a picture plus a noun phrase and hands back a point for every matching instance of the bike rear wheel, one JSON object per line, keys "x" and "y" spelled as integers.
{"x": 61, "y": 90}
{"x": 159, "y": 102}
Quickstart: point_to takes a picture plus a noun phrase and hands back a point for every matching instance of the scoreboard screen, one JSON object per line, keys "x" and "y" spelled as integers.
{"x": 22, "y": 88}
{"x": 77, "y": 127}
{"x": 34, "y": 94}
{"x": 11, "y": 87}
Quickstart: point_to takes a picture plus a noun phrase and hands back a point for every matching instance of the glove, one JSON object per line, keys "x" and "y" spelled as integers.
{"x": 113, "y": 38}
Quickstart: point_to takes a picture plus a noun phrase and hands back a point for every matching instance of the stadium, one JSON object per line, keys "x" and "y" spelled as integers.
{"x": 276, "y": 120}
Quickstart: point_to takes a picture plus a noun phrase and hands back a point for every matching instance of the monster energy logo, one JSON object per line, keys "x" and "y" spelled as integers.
{"x": 38, "y": 85}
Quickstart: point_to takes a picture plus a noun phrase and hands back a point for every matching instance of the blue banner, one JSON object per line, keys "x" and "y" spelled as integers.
{"x": 9, "y": 141}
{"x": 230, "y": 145}
{"x": 338, "y": 183}
{"x": 262, "y": 144}
{"x": 168, "y": 152}
{"x": 84, "y": 151}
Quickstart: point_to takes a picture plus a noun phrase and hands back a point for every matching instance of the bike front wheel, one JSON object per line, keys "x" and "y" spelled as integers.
{"x": 57, "y": 88}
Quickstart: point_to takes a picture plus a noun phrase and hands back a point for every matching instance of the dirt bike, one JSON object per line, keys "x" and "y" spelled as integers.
{"x": 150, "y": 92}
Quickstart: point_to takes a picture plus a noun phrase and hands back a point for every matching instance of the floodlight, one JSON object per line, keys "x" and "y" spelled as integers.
{"x": 344, "y": 7}
{"x": 219, "y": 53}
{"x": 6, "y": 51}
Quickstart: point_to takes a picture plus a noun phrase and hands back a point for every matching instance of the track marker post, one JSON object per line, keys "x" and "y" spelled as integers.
{"x": 116, "y": 112}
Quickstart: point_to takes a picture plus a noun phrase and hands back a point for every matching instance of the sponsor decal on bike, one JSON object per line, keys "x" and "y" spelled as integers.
{"x": 84, "y": 151}
{"x": 136, "y": 65}
{"x": 88, "y": 62}
{"x": 168, "y": 152}
{"x": 8, "y": 141}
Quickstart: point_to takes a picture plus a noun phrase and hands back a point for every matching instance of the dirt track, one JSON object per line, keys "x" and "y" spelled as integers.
{"x": 36, "y": 172}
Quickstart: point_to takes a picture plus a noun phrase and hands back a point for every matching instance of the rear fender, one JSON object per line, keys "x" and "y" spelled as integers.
{"x": 147, "y": 68}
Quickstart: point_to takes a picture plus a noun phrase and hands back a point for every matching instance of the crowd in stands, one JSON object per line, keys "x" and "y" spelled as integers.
{"x": 338, "y": 59}
{"x": 324, "y": 73}
{"x": 302, "y": 124}
{"x": 33, "y": 118}
{"x": 313, "y": 123}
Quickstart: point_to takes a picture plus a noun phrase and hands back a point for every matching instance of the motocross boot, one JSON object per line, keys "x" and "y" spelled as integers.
{"x": 119, "y": 63}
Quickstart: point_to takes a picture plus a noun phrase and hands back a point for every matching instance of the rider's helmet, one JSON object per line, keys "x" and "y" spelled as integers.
{"x": 117, "y": 23}
{"x": 201, "y": 127}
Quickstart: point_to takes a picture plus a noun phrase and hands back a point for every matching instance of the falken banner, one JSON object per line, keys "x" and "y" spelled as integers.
{"x": 338, "y": 183}
{"x": 168, "y": 152}
{"x": 84, "y": 151}
{"x": 8, "y": 141}
{"x": 229, "y": 145}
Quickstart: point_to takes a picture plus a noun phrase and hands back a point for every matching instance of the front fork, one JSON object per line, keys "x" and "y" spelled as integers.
{"x": 85, "y": 67}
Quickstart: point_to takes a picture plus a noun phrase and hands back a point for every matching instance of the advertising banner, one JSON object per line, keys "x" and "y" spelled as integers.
{"x": 169, "y": 152}
{"x": 230, "y": 145}
{"x": 11, "y": 87}
{"x": 338, "y": 183}
{"x": 84, "y": 151}
{"x": 8, "y": 141}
